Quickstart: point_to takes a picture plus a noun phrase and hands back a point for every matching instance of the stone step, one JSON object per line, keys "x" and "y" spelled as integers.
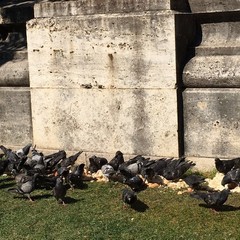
{"x": 212, "y": 71}
{"x": 83, "y": 7}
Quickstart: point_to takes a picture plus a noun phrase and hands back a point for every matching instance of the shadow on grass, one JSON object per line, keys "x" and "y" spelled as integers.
{"x": 224, "y": 208}
{"x": 139, "y": 206}
{"x": 7, "y": 185}
{"x": 42, "y": 196}
{"x": 70, "y": 200}
{"x": 36, "y": 197}
{"x": 82, "y": 186}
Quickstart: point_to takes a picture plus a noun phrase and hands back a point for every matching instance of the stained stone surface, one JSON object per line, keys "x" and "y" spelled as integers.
{"x": 204, "y": 6}
{"x": 211, "y": 122}
{"x": 142, "y": 121}
{"x": 15, "y": 116}
{"x": 117, "y": 51}
{"x": 84, "y": 7}
{"x": 105, "y": 82}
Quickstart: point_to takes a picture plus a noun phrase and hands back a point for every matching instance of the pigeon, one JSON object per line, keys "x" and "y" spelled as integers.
{"x": 53, "y": 159}
{"x": 60, "y": 190}
{"x": 96, "y": 163}
{"x": 66, "y": 162}
{"x": 15, "y": 161}
{"x": 212, "y": 199}
{"x": 40, "y": 166}
{"x": 136, "y": 183}
{"x": 138, "y": 158}
{"x": 117, "y": 160}
{"x": 107, "y": 171}
{"x": 176, "y": 168}
{"x": 46, "y": 182}
{"x": 24, "y": 151}
{"x": 160, "y": 165}
{"x": 93, "y": 167}
{"x": 25, "y": 185}
{"x": 10, "y": 155}
{"x": 128, "y": 196}
{"x": 18, "y": 176}
{"x": 135, "y": 168}
{"x": 232, "y": 178}
{"x": 62, "y": 171}
{"x": 194, "y": 181}
{"x": 74, "y": 178}
{"x": 127, "y": 173}
{"x": 148, "y": 174}
{"x": 3, "y": 166}
{"x": 224, "y": 166}
{"x": 37, "y": 156}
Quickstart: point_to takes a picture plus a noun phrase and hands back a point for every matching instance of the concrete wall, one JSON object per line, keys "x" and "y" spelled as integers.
{"x": 105, "y": 77}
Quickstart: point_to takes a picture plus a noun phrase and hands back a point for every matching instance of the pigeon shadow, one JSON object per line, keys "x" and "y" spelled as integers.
{"x": 6, "y": 179}
{"x": 82, "y": 186}
{"x": 43, "y": 196}
{"x": 139, "y": 206}
{"x": 34, "y": 197}
{"x": 7, "y": 185}
{"x": 70, "y": 200}
{"x": 223, "y": 208}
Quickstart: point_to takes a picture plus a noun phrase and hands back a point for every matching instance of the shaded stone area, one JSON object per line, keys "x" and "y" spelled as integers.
{"x": 15, "y": 103}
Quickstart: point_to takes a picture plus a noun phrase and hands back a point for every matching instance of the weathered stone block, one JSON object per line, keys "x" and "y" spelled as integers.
{"x": 15, "y": 116}
{"x": 135, "y": 121}
{"x": 83, "y": 7}
{"x": 214, "y": 5}
{"x": 223, "y": 34}
{"x": 212, "y": 71}
{"x": 211, "y": 122}
{"x": 111, "y": 51}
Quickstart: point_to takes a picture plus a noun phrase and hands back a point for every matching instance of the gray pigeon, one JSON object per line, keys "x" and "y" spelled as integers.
{"x": 96, "y": 163}
{"x": 232, "y": 178}
{"x": 224, "y": 166}
{"x": 70, "y": 160}
{"x": 60, "y": 190}
{"x": 212, "y": 199}
{"x": 129, "y": 196}
{"x": 107, "y": 171}
{"x": 24, "y": 151}
{"x": 176, "y": 168}
{"x": 136, "y": 183}
{"x": 117, "y": 160}
{"x": 194, "y": 181}
{"x": 25, "y": 185}
{"x": 74, "y": 178}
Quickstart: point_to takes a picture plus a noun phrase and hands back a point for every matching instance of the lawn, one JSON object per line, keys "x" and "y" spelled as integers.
{"x": 97, "y": 212}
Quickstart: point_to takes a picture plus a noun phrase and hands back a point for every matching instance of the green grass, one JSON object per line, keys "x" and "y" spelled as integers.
{"x": 97, "y": 212}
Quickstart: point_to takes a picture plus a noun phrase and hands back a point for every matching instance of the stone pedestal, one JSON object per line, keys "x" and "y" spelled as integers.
{"x": 15, "y": 103}
{"x": 103, "y": 75}
{"x": 212, "y": 81}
